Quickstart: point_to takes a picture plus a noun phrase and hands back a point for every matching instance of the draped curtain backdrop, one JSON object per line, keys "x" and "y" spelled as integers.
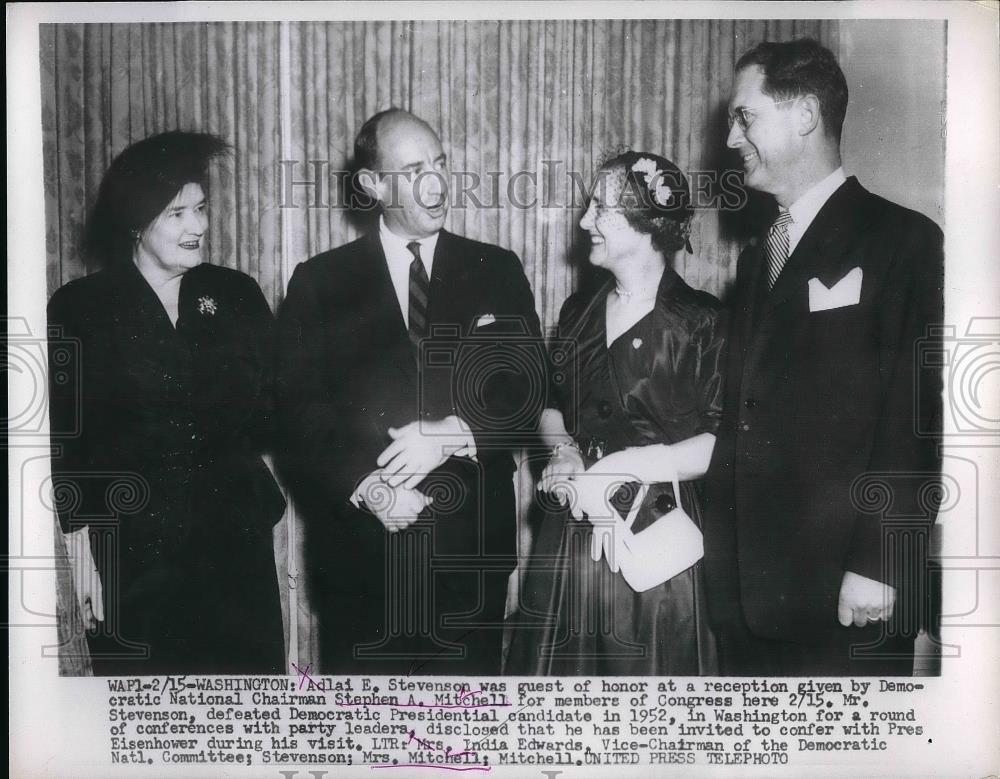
{"x": 531, "y": 107}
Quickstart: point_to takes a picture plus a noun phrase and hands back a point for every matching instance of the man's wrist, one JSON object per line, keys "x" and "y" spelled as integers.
{"x": 464, "y": 440}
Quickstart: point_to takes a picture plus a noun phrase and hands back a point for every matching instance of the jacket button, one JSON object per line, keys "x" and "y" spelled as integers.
{"x": 744, "y": 426}
{"x": 665, "y": 503}
{"x": 750, "y": 403}
{"x": 603, "y": 409}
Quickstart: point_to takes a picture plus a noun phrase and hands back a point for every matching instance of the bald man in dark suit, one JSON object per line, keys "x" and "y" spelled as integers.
{"x": 410, "y": 365}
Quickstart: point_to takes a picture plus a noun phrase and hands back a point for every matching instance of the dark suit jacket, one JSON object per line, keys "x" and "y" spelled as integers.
{"x": 348, "y": 372}
{"x": 158, "y": 434}
{"x": 814, "y": 401}
{"x": 187, "y": 409}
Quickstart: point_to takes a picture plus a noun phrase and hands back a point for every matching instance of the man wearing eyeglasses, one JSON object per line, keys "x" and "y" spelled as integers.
{"x": 818, "y": 520}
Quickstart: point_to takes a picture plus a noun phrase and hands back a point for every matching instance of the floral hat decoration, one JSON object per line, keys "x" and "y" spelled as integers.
{"x": 656, "y": 187}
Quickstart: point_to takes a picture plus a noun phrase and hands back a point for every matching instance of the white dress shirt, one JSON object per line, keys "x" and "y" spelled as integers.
{"x": 399, "y": 259}
{"x": 804, "y": 209}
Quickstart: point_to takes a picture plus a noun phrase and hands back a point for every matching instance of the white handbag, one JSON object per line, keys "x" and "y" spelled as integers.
{"x": 669, "y": 546}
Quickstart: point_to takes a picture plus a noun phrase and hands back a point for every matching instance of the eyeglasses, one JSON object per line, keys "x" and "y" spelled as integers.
{"x": 744, "y": 116}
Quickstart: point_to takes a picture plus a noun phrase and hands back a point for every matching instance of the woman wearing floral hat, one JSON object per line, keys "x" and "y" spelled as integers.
{"x": 167, "y": 505}
{"x": 614, "y": 586}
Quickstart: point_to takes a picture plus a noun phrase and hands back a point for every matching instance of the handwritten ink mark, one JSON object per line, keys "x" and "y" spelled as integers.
{"x": 484, "y": 768}
{"x": 304, "y": 676}
{"x": 429, "y": 746}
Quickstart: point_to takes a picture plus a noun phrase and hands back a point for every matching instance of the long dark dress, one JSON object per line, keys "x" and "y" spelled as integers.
{"x": 157, "y": 439}
{"x": 658, "y": 382}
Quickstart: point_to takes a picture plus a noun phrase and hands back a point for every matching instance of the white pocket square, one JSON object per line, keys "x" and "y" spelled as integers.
{"x": 485, "y": 319}
{"x": 846, "y": 292}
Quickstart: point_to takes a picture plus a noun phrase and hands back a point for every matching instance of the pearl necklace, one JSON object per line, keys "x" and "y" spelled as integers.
{"x": 628, "y": 297}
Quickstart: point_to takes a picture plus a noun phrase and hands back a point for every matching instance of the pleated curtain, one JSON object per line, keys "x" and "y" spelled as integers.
{"x": 106, "y": 86}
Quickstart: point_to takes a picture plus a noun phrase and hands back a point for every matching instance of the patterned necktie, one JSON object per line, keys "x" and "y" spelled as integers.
{"x": 419, "y": 288}
{"x": 776, "y": 247}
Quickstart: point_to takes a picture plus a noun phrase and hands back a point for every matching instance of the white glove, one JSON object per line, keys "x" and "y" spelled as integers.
{"x": 610, "y": 533}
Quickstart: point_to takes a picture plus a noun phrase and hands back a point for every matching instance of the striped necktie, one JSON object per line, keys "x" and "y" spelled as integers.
{"x": 776, "y": 247}
{"x": 419, "y": 288}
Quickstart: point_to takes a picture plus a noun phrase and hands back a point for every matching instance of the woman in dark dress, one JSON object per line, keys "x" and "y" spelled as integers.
{"x": 636, "y": 404}
{"x": 168, "y": 385}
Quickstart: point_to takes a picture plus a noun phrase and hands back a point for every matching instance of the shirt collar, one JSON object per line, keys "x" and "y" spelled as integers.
{"x": 396, "y": 246}
{"x": 804, "y": 209}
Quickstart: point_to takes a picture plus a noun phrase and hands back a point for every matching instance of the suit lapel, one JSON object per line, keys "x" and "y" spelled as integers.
{"x": 823, "y": 252}
{"x": 446, "y": 278}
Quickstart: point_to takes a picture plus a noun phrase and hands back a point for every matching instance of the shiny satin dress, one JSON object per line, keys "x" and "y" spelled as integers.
{"x": 659, "y": 382}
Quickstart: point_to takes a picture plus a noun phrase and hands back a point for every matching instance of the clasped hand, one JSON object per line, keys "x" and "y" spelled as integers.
{"x": 559, "y": 473}
{"x": 589, "y": 490}
{"x": 587, "y": 493}
{"x": 863, "y": 600}
{"x": 420, "y": 447}
{"x": 396, "y": 507}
